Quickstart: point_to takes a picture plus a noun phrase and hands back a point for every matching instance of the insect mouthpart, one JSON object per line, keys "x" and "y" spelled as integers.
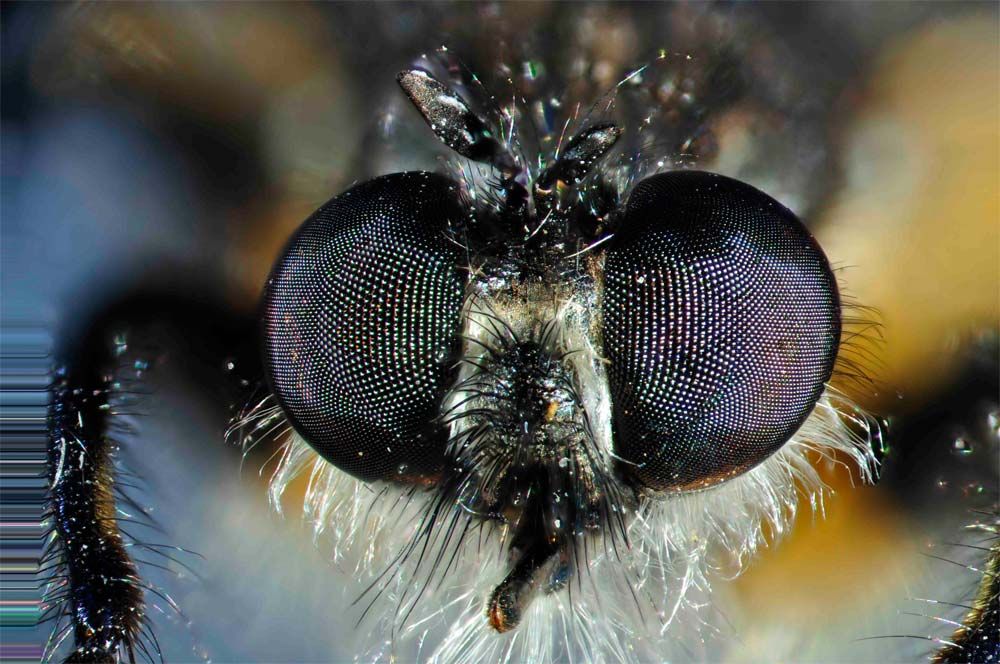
{"x": 531, "y": 460}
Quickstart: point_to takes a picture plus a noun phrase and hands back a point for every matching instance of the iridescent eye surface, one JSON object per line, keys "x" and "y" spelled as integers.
{"x": 721, "y": 325}
{"x": 361, "y": 326}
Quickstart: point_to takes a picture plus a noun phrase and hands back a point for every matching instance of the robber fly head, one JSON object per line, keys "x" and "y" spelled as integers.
{"x": 549, "y": 362}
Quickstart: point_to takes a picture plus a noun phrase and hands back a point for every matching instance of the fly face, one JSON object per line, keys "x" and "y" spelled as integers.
{"x": 575, "y": 402}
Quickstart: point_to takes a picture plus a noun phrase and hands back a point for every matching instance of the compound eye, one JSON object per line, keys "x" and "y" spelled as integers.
{"x": 362, "y": 326}
{"x": 721, "y": 324}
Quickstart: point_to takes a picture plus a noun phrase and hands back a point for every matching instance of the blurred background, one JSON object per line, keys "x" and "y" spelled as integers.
{"x": 176, "y": 146}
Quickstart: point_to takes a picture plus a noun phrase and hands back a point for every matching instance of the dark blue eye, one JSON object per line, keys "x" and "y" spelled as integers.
{"x": 362, "y": 326}
{"x": 721, "y": 323}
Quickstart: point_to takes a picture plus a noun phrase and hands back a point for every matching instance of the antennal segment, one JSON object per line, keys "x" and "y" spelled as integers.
{"x": 457, "y": 125}
{"x": 582, "y": 152}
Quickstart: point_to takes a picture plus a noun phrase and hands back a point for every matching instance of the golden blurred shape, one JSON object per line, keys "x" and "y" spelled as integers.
{"x": 918, "y": 221}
